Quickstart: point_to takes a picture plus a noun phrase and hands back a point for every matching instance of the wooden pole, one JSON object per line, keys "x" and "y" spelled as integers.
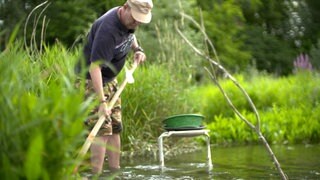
{"x": 85, "y": 147}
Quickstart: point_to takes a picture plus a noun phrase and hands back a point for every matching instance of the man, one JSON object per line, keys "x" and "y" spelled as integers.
{"x": 109, "y": 41}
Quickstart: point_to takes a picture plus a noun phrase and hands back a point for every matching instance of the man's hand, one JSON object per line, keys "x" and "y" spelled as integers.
{"x": 104, "y": 110}
{"x": 139, "y": 57}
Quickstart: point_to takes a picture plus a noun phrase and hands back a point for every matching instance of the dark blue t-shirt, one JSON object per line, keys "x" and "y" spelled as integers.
{"x": 109, "y": 41}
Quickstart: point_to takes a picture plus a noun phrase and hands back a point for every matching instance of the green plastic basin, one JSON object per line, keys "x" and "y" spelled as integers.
{"x": 183, "y": 120}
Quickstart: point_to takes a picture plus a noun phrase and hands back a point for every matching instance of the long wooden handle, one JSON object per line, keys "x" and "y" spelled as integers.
{"x": 85, "y": 147}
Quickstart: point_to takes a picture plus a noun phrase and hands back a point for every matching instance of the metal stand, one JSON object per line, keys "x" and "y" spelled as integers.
{"x": 187, "y": 133}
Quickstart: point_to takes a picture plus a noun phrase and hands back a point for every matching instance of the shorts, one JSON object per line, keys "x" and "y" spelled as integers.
{"x": 110, "y": 89}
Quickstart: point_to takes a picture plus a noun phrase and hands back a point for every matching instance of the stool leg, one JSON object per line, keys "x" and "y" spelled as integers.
{"x": 209, "y": 152}
{"x": 161, "y": 158}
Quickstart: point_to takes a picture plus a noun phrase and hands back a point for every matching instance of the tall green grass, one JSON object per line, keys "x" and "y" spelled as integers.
{"x": 156, "y": 94}
{"x": 41, "y": 114}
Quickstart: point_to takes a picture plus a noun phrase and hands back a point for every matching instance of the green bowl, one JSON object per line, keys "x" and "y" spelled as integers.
{"x": 183, "y": 121}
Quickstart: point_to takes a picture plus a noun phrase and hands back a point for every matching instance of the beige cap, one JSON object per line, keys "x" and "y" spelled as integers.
{"x": 141, "y": 10}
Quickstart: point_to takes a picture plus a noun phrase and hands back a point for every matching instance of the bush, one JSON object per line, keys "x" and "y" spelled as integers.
{"x": 288, "y": 108}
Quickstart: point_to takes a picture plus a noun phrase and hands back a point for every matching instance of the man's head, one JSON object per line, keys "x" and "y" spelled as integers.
{"x": 141, "y": 10}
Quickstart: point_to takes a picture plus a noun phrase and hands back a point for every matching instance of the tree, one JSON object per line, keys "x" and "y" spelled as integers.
{"x": 276, "y": 33}
{"x": 313, "y": 30}
{"x": 11, "y": 13}
{"x": 315, "y": 55}
{"x": 224, "y": 22}
{"x": 270, "y": 53}
{"x": 65, "y": 20}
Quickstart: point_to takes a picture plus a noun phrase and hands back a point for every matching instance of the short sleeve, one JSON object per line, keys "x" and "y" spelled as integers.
{"x": 102, "y": 45}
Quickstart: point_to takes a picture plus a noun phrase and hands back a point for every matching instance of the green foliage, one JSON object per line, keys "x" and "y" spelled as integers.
{"x": 75, "y": 14}
{"x": 249, "y": 9}
{"x": 229, "y": 130}
{"x": 221, "y": 21}
{"x": 260, "y": 44}
{"x": 162, "y": 43}
{"x": 312, "y": 32}
{"x": 315, "y": 55}
{"x": 272, "y": 13}
{"x": 285, "y": 28}
{"x": 288, "y": 108}
{"x": 33, "y": 165}
{"x": 156, "y": 94}
{"x": 100, "y": 7}
{"x": 10, "y": 16}
{"x": 292, "y": 125}
{"x": 41, "y": 116}
{"x": 212, "y": 103}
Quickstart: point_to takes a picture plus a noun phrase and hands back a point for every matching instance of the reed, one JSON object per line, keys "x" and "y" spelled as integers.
{"x": 41, "y": 114}
{"x": 156, "y": 94}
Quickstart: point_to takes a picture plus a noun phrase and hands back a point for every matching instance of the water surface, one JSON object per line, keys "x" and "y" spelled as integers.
{"x": 245, "y": 162}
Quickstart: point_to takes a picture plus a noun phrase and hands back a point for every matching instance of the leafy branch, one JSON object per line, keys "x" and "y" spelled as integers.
{"x": 214, "y": 63}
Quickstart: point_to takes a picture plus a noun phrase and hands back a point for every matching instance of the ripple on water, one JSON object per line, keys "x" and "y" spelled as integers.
{"x": 248, "y": 162}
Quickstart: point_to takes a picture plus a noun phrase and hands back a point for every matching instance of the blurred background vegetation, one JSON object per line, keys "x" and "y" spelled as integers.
{"x": 261, "y": 42}
{"x": 265, "y": 34}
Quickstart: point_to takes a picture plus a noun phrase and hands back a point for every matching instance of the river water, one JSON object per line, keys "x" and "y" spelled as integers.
{"x": 241, "y": 162}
